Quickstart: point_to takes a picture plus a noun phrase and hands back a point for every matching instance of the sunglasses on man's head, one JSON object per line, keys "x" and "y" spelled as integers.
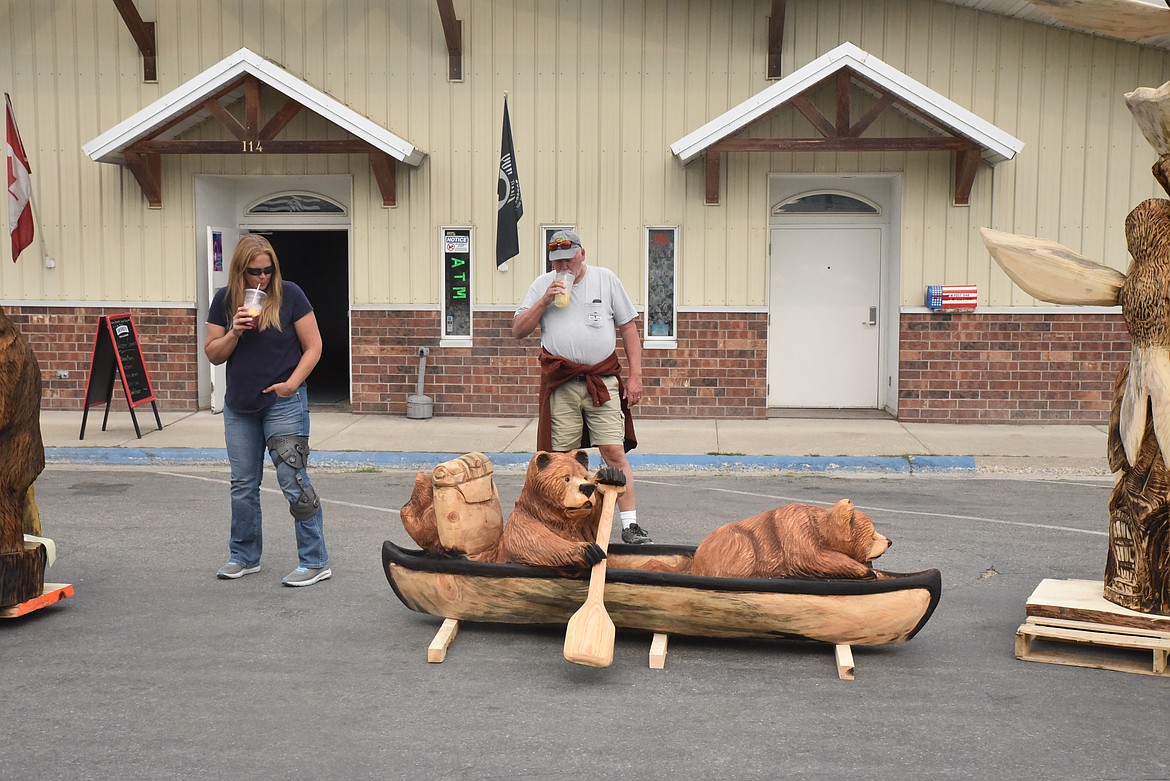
{"x": 560, "y": 244}
{"x": 255, "y": 272}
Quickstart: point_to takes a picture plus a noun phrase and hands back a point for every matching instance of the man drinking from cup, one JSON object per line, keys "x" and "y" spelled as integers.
{"x": 583, "y": 400}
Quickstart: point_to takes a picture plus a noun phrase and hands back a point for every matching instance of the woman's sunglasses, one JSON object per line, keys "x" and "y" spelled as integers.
{"x": 255, "y": 272}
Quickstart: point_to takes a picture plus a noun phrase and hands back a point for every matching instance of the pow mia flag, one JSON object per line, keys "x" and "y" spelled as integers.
{"x": 510, "y": 208}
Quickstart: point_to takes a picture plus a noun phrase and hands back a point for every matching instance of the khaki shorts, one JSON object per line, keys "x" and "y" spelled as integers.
{"x": 570, "y": 401}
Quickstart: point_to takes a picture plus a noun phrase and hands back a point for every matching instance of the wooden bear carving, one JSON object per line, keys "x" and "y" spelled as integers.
{"x": 796, "y": 540}
{"x": 554, "y": 522}
{"x": 22, "y": 458}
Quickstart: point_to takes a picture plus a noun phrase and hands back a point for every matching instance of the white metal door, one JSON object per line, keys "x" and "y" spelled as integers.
{"x": 823, "y": 336}
{"x": 221, "y": 242}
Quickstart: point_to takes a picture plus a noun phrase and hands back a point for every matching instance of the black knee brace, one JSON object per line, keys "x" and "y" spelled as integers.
{"x": 293, "y": 450}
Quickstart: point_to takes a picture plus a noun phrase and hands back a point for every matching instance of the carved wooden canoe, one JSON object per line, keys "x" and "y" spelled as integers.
{"x": 889, "y": 609}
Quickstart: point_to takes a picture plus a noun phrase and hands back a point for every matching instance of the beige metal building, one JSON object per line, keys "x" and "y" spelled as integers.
{"x": 777, "y": 183}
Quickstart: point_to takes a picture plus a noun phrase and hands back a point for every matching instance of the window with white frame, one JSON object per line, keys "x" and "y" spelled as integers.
{"x": 457, "y": 278}
{"x": 661, "y": 287}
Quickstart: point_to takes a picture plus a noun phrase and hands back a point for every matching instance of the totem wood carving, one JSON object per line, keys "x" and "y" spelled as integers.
{"x": 1137, "y": 569}
{"x": 22, "y": 566}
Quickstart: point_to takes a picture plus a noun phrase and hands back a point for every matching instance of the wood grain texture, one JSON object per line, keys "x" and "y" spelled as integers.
{"x": 1137, "y": 565}
{"x": 22, "y": 458}
{"x": 1052, "y": 272}
{"x": 854, "y": 612}
{"x": 437, "y": 650}
{"x": 658, "y": 647}
{"x": 1084, "y": 600}
{"x": 1074, "y": 621}
{"x": 1130, "y": 20}
{"x": 1137, "y": 571}
{"x": 590, "y": 633}
{"x": 22, "y": 574}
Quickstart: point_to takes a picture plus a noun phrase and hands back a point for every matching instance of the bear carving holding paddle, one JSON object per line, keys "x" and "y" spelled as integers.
{"x": 455, "y": 510}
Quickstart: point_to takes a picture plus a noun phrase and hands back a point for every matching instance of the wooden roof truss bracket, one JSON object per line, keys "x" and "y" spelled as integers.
{"x": 775, "y": 38}
{"x": 842, "y": 134}
{"x": 453, "y": 32}
{"x": 143, "y": 33}
{"x": 147, "y": 169}
{"x": 143, "y": 157}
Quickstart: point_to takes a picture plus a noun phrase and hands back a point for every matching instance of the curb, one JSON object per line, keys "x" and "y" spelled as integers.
{"x": 904, "y": 465}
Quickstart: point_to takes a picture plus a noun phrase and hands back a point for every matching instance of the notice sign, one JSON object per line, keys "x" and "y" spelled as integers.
{"x": 117, "y": 353}
{"x": 456, "y": 282}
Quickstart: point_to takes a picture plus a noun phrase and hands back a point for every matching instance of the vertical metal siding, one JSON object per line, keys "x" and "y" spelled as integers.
{"x": 598, "y": 90}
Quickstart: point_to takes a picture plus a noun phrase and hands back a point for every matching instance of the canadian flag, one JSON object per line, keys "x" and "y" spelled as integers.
{"x": 20, "y": 218}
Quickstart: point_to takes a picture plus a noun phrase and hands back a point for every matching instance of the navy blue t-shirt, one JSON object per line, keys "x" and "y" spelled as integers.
{"x": 261, "y": 358}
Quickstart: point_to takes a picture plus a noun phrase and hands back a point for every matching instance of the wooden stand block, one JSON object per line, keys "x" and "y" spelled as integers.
{"x": 1075, "y": 614}
{"x": 52, "y": 593}
{"x": 22, "y": 574}
{"x": 658, "y": 651}
{"x": 437, "y": 650}
{"x": 844, "y": 656}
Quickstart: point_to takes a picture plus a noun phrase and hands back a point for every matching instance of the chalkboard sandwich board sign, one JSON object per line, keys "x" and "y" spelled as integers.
{"x": 116, "y": 351}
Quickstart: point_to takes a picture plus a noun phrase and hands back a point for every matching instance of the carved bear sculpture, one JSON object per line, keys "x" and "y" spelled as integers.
{"x": 455, "y": 509}
{"x": 22, "y": 458}
{"x": 554, "y": 523}
{"x": 795, "y": 540}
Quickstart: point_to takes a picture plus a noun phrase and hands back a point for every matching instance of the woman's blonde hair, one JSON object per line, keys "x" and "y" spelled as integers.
{"x": 247, "y": 249}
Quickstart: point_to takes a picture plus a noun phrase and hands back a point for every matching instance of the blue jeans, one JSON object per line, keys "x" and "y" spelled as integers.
{"x": 246, "y": 435}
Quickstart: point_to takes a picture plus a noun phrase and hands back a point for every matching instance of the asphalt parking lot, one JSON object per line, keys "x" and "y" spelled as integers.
{"x": 157, "y": 670}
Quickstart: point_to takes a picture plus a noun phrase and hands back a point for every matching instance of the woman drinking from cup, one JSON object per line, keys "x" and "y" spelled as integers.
{"x": 269, "y": 355}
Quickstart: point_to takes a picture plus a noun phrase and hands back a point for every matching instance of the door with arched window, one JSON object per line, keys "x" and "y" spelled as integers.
{"x": 308, "y": 220}
{"x": 828, "y": 279}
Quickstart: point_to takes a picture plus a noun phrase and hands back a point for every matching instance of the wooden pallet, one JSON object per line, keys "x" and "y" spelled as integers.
{"x": 1075, "y": 623}
{"x": 50, "y": 594}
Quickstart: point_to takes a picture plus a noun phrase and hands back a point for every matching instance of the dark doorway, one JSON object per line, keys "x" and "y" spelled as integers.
{"x": 318, "y": 261}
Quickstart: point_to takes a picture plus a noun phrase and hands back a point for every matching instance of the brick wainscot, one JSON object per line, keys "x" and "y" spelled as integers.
{"x": 953, "y": 367}
{"x": 1009, "y": 368}
{"x": 718, "y": 369}
{"x": 63, "y": 339}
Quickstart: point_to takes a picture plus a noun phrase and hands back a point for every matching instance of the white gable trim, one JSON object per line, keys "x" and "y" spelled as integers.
{"x": 998, "y": 145}
{"x": 108, "y": 147}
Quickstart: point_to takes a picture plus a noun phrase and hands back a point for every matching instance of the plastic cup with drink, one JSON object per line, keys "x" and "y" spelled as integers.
{"x": 562, "y": 298}
{"x": 254, "y": 301}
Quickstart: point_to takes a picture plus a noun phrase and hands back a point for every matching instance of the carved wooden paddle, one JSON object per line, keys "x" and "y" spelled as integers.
{"x": 590, "y": 634}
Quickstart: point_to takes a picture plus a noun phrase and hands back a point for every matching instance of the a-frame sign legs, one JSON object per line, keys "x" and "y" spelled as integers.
{"x": 117, "y": 354}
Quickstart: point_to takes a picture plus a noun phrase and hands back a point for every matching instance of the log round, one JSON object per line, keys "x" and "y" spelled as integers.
{"x": 22, "y": 458}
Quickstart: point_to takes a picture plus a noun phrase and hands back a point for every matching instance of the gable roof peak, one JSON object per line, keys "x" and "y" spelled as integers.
{"x": 996, "y": 145}
{"x": 109, "y": 146}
